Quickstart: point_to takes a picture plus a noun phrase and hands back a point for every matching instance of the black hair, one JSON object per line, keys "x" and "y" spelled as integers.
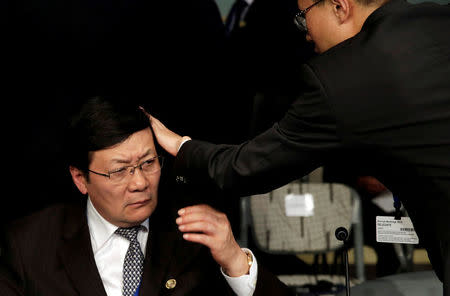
{"x": 100, "y": 123}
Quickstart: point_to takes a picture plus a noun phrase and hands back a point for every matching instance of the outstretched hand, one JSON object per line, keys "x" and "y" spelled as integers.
{"x": 167, "y": 139}
{"x": 207, "y": 226}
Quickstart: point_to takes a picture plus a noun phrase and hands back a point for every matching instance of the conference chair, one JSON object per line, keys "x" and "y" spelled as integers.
{"x": 301, "y": 218}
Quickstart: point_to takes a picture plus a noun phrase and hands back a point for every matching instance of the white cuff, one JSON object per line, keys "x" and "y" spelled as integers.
{"x": 182, "y": 142}
{"x": 244, "y": 285}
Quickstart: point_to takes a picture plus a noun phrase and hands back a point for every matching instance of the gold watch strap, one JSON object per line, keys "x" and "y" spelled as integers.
{"x": 249, "y": 258}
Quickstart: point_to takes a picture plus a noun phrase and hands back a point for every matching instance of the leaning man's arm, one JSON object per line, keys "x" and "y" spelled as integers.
{"x": 300, "y": 142}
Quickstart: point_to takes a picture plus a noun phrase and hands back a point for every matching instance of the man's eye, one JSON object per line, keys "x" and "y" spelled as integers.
{"x": 119, "y": 171}
{"x": 148, "y": 163}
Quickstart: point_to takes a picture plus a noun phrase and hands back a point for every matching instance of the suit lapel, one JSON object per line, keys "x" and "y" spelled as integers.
{"x": 76, "y": 254}
{"x": 157, "y": 261}
{"x": 169, "y": 257}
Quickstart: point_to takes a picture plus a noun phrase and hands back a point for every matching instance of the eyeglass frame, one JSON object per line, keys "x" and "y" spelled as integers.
{"x": 300, "y": 17}
{"x": 133, "y": 167}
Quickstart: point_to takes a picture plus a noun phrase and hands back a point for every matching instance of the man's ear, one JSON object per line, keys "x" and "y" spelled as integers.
{"x": 342, "y": 9}
{"x": 79, "y": 179}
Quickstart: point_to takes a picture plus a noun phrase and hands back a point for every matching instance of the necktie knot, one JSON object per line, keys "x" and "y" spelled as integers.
{"x": 129, "y": 233}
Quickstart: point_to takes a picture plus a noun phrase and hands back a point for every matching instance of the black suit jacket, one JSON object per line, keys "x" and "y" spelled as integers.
{"x": 380, "y": 102}
{"x": 50, "y": 253}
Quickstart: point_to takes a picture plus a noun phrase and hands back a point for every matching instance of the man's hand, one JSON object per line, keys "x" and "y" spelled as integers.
{"x": 207, "y": 226}
{"x": 168, "y": 140}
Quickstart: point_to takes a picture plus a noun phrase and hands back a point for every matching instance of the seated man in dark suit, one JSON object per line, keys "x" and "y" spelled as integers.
{"x": 118, "y": 241}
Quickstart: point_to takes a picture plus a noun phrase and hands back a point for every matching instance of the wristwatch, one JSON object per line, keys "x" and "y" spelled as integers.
{"x": 249, "y": 258}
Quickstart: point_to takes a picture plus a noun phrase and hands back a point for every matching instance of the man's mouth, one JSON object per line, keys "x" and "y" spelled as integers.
{"x": 139, "y": 203}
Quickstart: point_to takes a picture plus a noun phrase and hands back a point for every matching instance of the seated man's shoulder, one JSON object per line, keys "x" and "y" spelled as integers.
{"x": 45, "y": 222}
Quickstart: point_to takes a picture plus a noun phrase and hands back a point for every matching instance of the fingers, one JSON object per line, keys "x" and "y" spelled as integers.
{"x": 199, "y": 238}
{"x": 204, "y": 225}
{"x": 201, "y": 218}
{"x": 168, "y": 140}
{"x": 153, "y": 120}
{"x": 212, "y": 225}
{"x": 145, "y": 112}
{"x": 197, "y": 209}
{"x": 156, "y": 124}
{"x": 201, "y": 213}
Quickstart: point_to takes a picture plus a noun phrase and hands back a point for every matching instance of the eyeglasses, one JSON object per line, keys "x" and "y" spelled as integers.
{"x": 150, "y": 166}
{"x": 300, "y": 19}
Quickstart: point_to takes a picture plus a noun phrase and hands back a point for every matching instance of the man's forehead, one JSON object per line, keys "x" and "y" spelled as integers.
{"x": 130, "y": 157}
{"x": 136, "y": 147}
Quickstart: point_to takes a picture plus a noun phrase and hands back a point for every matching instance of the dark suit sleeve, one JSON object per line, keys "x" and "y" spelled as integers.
{"x": 299, "y": 143}
{"x": 268, "y": 284}
{"x": 9, "y": 268}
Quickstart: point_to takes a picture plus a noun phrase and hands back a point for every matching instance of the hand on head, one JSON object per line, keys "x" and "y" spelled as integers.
{"x": 168, "y": 140}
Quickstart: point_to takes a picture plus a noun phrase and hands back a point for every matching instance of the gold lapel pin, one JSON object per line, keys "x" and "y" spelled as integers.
{"x": 170, "y": 284}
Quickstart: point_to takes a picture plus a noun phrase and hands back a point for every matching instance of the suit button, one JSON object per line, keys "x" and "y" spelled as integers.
{"x": 170, "y": 284}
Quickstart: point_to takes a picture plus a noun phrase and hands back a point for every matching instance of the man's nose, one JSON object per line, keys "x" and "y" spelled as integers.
{"x": 138, "y": 181}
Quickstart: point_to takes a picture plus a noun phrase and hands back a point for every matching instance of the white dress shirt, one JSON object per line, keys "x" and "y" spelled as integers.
{"x": 110, "y": 249}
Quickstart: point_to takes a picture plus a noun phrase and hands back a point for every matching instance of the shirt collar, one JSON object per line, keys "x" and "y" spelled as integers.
{"x": 100, "y": 229}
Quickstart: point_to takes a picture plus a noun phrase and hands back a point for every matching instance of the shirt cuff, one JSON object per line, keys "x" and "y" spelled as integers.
{"x": 183, "y": 141}
{"x": 244, "y": 285}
